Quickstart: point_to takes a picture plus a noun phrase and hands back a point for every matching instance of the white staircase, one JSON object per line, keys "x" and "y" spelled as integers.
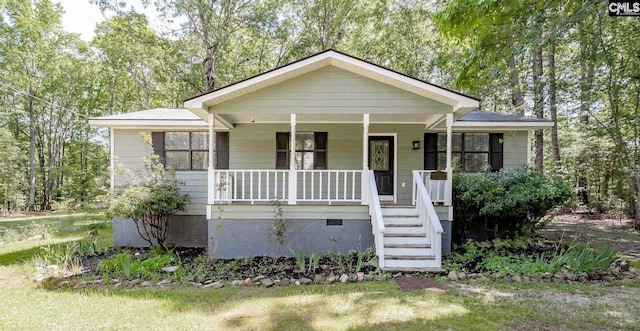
{"x": 405, "y": 241}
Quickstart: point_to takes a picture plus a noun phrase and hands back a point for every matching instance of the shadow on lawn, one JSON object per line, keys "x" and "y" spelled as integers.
{"x": 339, "y": 306}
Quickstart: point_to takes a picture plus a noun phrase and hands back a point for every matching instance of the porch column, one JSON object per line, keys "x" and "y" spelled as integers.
{"x": 211, "y": 192}
{"x": 364, "y": 185}
{"x": 293, "y": 176}
{"x": 448, "y": 185}
{"x": 112, "y": 157}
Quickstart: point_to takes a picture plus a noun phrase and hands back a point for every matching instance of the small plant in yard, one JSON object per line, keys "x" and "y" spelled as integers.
{"x": 127, "y": 265}
{"x": 301, "y": 261}
{"x": 280, "y": 225}
{"x": 58, "y": 260}
{"x": 149, "y": 198}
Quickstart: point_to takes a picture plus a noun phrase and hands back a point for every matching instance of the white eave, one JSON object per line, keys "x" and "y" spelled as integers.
{"x": 504, "y": 125}
{"x": 158, "y": 118}
{"x": 460, "y": 103}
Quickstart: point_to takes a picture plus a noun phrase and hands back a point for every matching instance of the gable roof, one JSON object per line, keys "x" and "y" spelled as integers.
{"x": 460, "y": 102}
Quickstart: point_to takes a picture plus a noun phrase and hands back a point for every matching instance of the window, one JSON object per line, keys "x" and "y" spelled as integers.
{"x": 190, "y": 150}
{"x": 311, "y": 150}
{"x": 470, "y": 152}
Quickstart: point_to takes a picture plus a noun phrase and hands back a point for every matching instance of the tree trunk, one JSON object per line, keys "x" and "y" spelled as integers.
{"x": 517, "y": 100}
{"x": 553, "y": 108}
{"x": 538, "y": 106}
{"x": 32, "y": 153}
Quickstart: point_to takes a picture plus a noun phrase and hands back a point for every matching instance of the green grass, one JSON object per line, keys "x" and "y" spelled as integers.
{"x": 63, "y": 229}
{"x": 360, "y": 306}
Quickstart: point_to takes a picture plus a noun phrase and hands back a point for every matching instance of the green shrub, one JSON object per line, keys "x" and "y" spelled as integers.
{"x": 128, "y": 266}
{"x": 503, "y": 204}
{"x": 580, "y": 258}
{"x": 149, "y": 198}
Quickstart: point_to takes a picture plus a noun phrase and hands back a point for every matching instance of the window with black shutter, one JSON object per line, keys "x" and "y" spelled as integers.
{"x": 310, "y": 150}
{"x": 470, "y": 151}
{"x": 181, "y": 150}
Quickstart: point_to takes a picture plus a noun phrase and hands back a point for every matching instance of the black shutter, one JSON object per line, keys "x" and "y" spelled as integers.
{"x": 321, "y": 150}
{"x": 222, "y": 150}
{"x": 496, "y": 151}
{"x": 157, "y": 144}
{"x": 282, "y": 150}
{"x": 430, "y": 151}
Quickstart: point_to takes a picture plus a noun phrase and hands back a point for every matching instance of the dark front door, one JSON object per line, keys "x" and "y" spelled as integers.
{"x": 381, "y": 162}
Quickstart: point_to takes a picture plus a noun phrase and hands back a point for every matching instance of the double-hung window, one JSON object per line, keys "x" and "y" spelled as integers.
{"x": 470, "y": 151}
{"x": 183, "y": 150}
{"x": 310, "y": 152}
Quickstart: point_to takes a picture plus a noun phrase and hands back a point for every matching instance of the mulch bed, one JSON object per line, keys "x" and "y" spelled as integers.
{"x": 407, "y": 284}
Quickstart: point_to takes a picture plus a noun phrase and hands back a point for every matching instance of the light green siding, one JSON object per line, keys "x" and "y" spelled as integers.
{"x": 515, "y": 149}
{"x": 130, "y": 149}
{"x": 330, "y": 90}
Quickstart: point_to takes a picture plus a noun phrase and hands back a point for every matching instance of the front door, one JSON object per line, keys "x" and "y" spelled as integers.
{"x": 381, "y": 162}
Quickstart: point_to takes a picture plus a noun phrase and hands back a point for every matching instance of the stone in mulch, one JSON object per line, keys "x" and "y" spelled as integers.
{"x": 418, "y": 284}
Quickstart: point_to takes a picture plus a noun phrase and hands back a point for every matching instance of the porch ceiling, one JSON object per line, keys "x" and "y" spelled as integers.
{"x": 331, "y": 118}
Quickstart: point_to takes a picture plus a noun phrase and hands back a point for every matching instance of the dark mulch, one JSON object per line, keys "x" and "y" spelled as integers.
{"x": 407, "y": 284}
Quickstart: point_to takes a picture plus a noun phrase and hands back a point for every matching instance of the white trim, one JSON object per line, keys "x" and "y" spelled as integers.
{"x": 532, "y": 124}
{"x": 357, "y": 66}
{"x": 529, "y": 147}
{"x": 147, "y": 122}
{"x": 112, "y": 155}
{"x": 293, "y": 175}
{"x": 482, "y": 129}
{"x": 364, "y": 189}
{"x": 224, "y": 121}
{"x": 395, "y": 163}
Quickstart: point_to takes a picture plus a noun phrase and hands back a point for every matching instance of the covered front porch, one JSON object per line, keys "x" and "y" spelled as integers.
{"x": 393, "y": 152}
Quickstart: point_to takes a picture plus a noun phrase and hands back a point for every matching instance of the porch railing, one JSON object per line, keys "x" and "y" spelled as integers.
{"x": 329, "y": 185}
{"x": 428, "y": 216}
{"x": 377, "y": 221}
{"x": 438, "y": 187}
{"x": 253, "y": 186}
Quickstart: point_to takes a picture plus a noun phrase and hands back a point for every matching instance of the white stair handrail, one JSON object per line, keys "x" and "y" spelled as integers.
{"x": 428, "y": 216}
{"x": 377, "y": 222}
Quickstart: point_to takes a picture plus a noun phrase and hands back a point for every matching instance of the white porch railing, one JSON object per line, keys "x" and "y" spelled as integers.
{"x": 265, "y": 185}
{"x": 250, "y": 185}
{"x": 329, "y": 185}
{"x": 439, "y": 189}
{"x": 377, "y": 221}
{"x": 428, "y": 216}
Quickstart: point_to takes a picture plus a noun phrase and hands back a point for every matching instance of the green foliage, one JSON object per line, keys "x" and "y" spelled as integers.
{"x": 505, "y": 203}
{"x": 127, "y": 265}
{"x": 516, "y": 257}
{"x": 300, "y": 260}
{"x": 149, "y": 199}
{"x": 581, "y": 258}
{"x": 280, "y": 225}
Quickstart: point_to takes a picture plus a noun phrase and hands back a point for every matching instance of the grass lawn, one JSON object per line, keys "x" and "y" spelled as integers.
{"x": 357, "y": 306}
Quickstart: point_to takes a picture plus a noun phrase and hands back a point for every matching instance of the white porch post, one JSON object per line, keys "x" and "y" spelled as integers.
{"x": 364, "y": 185}
{"x": 293, "y": 176}
{"x": 449, "y": 170}
{"x": 112, "y": 157}
{"x": 211, "y": 192}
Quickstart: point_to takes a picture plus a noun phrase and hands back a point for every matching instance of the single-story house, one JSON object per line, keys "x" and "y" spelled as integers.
{"x": 356, "y": 155}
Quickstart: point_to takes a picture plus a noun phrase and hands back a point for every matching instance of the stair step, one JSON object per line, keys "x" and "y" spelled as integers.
{"x": 409, "y": 211}
{"x": 407, "y": 235}
{"x": 409, "y": 257}
{"x": 407, "y": 245}
{"x": 403, "y": 225}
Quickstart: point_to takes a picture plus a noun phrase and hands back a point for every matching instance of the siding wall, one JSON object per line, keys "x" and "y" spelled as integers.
{"x": 515, "y": 149}
{"x": 330, "y": 90}
{"x": 130, "y": 149}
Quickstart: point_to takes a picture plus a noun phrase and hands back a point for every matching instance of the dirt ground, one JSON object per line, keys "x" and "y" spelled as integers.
{"x": 598, "y": 231}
